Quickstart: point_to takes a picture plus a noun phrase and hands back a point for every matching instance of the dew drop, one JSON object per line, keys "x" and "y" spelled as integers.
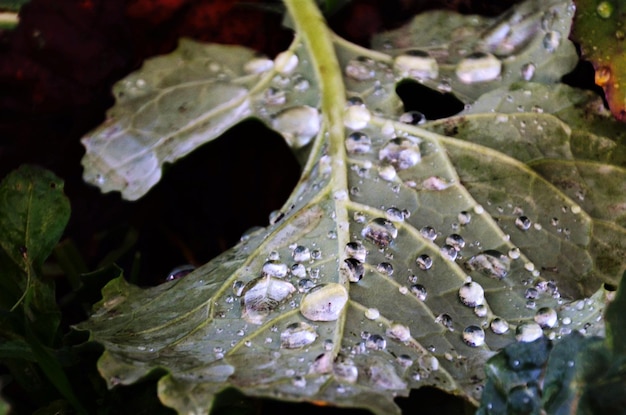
{"x": 528, "y": 71}
{"x": 299, "y": 124}
{"x": 412, "y": 118}
{"x": 285, "y": 62}
{"x": 490, "y": 263}
{"x": 404, "y": 361}
{"x": 258, "y": 65}
{"x": 372, "y": 313}
{"x": 238, "y": 287}
{"x": 449, "y": 252}
{"x": 473, "y": 336}
{"x": 352, "y": 270}
{"x": 546, "y": 317}
{"x": 324, "y": 302}
{"x": 514, "y": 253}
{"x": 301, "y": 254}
{"x": 523, "y": 223}
{"x": 445, "y": 320}
{"x": 305, "y": 285}
{"x": 298, "y": 270}
{"x": 456, "y": 241}
{"x": 297, "y": 335}
{"x": 358, "y": 143}
{"x": 528, "y": 332}
{"x": 499, "y": 325}
{"x": 356, "y": 117}
{"x": 416, "y": 64}
{"x": 316, "y": 254}
{"x": 300, "y": 83}
{"x": 380, "y": 231}
{"x": 179, "y": 272}
{"x": 356, "y": 250}
{"x": 472, "y": 294}
{"x": 385, "y": 268}
{"x": 387, "y": 172}
{"x": 480, "y": 310}
{"x": 399, "y": 332}
{"x": 464, "y": 218}
{"x": 400, "y": 153}
{"x": 605, "y": 9}
{"x": 424, "y": 262}
{"x": 376, "y": 342}
{"x": 419, "y": 291}
{"x": 276, "y": 269}
{"x": 552, "y": 40}
{"x": 359, "y": 217}
{"x": 263, "y": 295}
{"x": 345, "y": 370}
{"x": 429, "y": 232}
{"x": 360, "y": 69}
{"x": 394, "y": 214}
{"x": 478, "y": 67}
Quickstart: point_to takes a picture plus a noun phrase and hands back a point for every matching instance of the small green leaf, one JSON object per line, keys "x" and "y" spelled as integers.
{"x": 616, "y": 323}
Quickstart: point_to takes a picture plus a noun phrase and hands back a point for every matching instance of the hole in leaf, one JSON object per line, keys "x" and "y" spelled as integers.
{"x": 610, "y": 287}
{"x": 433, "y": 104}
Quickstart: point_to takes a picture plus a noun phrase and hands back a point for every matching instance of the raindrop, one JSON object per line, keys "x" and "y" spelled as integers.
{"x": 387, "y": 172}
{"x": 305, "y": 285}
{"x": 273, "y": 256}
{"x": 345, "y": 370}
{"x": 324, "y": 302}
{"x": 352, "y": 269}
{"x": 300, "y": 83}
{"x": 263, "y": 295}
{"x": 298, "y": 270}
{"x": 301, "y": 254}
{"x": 356, "y": 117}
{"x": 316, "y": 254}
{"x": 531, "y": 293}
{"x": 380, "y": 231}
{"x": 238, "y": 287}
{"x": 376, "y": 342}
{"x": 480, "y": 310}
{"x": 474, "y": 336}
{"x": 424, "y": 262}
{"x": 394, "y": 214}
{"x": 360, "y": 69}
{"x": 404, "y": 361}
{"x": 490, "y": 263}
{"x": 478, "y": 67}
{"x": 258, "y": 65}
{"x": 356, "y": 250}
{"x": 372, "y": 313}
{"x": 605, "y": 9}
{"x": 359, "y": 217}
{"x": 449, "y": 252}
{"x": 275, "y": 96}
{"x": 528, "y": 71}
{"x": 412, "y": 118}
{"x": 429, "y": 232}
{"x": 419, "y": 291}
{"x": 358, "y": 143}
{"x": 429, "y": 363}
{"x": 456, "y": 241}
{"x": 472, "y": 294}
{"x": 435, "y": 183}
{"x": 285, "y": 62}
{"x": 464, "y": 218}
{"x": 299, "y": 381}
{"x": 552, "y": 40}
{"x": 179, "y": 272}
{"x": 275, "y": 269}
{"x": 328, "y": 345}
{"x": 400, "y": 153}
{"x": 445, "y": 320}
{"x": 514, "y": 253}
{"x": 528, "y": 332}
{"x": 355, "y": 101}
{"x": 416, "y": 64}
{"x": 385, "y": 268}
{"x": 546, "y": 317}
{"x": 523, "y": 223}
{"x": 399, "y": 332}
{"x": 297, "y": 335}
{"x": 499, "y": 325}
{"x": 297, "y": 124}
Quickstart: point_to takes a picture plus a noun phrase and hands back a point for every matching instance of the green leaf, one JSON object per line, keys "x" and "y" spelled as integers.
{"x": 616, "y": 326}
{"x": 406, "y": 255}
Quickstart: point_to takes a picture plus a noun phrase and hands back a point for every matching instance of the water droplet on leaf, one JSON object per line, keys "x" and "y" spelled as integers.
{"x": 474, "y": 336}
{"x": 358, "y": 143}
{"x": 546, "y": 317}
{"x": 605, "y": 9}
{"x": 352, "y": 269}
{"x": 385, "y": 268}
{"x": 419, "y": 291}
{"x": 424, "y": 262}
{"x": 299, "y": 125}
{"x": 376, "y": 342}
{"x": 499, "y": 325}
{"x": 324, "y": 302}
{"x": 412, "y": 118}
{"x": 400, "y": 153}
{"x": 552, "y": 40}
{"x": 297, "y": 335}
{"x": 380, "y": 231}
{"x": 490, "y": 263}
{"x": 356, "y": 250}
{"x": 416, "y": 64}
{"x": 179, "y": 272}
{"x": 528, "y": 332}
{"x": 356, "y": 117}
{"x": 360, "y": 69}
{"x": 472, "y": 294}
{"x": 301, "y": 254}
{"x": 275, "y": 269}
{"x": 263, "y": 295}
{"x": 478, "y": 67}
{"x": 399, "y": 332}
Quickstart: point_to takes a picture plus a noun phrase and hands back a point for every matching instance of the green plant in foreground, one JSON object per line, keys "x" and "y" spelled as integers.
{"x": 411, "y": 251}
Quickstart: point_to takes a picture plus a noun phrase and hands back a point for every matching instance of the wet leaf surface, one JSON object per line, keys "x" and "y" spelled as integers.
{"x": 408, "y": 253}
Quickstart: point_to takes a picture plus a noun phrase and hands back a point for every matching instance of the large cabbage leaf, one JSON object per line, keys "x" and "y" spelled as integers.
{"x": 409, "y": 252}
